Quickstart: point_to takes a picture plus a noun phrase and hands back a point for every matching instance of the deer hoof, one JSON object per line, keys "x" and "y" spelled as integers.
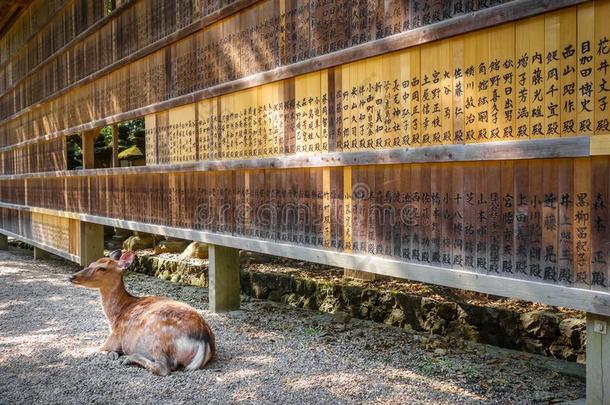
{"x": 112, "y": 355}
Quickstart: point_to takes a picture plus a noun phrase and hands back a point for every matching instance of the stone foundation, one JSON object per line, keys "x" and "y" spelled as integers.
{"x": 540, "y": 332}
{"x": 176, "y": 271}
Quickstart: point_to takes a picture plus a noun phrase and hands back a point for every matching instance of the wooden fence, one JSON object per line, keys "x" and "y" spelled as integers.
{"x": 464, "y": 143}
{"x": 458, "y": 142}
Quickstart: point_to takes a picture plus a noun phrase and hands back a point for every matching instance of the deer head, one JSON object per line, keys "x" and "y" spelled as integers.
{"x": 105, "y": 272}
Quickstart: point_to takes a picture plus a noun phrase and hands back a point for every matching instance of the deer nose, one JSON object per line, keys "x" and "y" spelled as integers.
{"x": 72, "y": 278}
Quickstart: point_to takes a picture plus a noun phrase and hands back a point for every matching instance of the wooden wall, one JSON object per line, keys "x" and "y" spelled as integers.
{"x": 270, "y": 34}
{"x": 56, "y": 234}
{"x": 411, "y": 132}
{"x": 538, "y": 219}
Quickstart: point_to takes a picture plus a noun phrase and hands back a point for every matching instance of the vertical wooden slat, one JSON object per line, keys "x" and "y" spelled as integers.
{"x": 581, "y": 222}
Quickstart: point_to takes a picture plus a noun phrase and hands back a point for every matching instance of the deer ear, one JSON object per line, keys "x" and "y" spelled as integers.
{"x": 126, "y": 259}
{"x": 115, "y": 254}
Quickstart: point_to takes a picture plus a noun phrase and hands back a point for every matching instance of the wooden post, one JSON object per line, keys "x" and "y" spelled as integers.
{"x": 115, "y": 145}
{"x": 361, "y": 275}
{"x": 3, "y": 242}
{"x": 40, "y": 254}
{"x": 598, "y": 359}
{"x": 88, "y": 141}
{"x": 91, "y": 242}
{"x": 223, "y": 270}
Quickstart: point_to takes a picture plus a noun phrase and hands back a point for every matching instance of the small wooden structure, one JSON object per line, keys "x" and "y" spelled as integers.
{"x": 464, "y": 143}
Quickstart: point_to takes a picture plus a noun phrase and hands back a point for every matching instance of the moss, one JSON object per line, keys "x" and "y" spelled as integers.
{"x": 131, "y": 153}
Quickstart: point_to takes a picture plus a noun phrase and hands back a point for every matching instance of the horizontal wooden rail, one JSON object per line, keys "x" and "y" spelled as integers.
{"x": 586, "y": 300}
{"x": 503, "y": 150}
{"x": 42, "y": 246}
{"x": 508, "y": 12}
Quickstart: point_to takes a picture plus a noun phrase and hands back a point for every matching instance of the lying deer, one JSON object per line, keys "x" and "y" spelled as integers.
{"x": 157, "y": 333}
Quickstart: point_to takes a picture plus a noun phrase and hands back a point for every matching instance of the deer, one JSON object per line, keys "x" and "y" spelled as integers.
{"x": 157, "y": 333}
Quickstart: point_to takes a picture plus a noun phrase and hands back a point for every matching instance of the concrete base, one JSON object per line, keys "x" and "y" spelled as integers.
{"x": 3, "y": 242}
{"x": 223, "y": 270}
{"x": 598, "y": 359}
{"x": 91, "y": 242}
{"x": 40, "y": 254}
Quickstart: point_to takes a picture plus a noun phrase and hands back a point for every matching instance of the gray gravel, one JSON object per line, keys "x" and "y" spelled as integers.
{"x": 267, "y": 353}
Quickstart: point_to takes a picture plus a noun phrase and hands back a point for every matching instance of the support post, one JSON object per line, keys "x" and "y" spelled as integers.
{"x": 362, "y": 275}
{"x": 91, "y": 242}
{"x": 40, "y": 254}
{"x": 3, "y": 242}
{"x": 88, "y": 141}
{"x": 223, "y": 271}
{"x": 115, "y": 145}
{"x": 598, "y": 359}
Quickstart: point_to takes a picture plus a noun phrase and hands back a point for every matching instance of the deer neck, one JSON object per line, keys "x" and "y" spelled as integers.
{"x": 115, "y": 300}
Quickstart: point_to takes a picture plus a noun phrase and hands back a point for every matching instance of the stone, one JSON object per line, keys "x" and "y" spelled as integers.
{"x": 293, "y": 300}
{"x": 342, "y": 317}
{"x": 533, "y": 346}
{"x": 409, "y": 304}
{"x": 462, "y": 330}
{"x": 246, "y": 257}
{"x": 310, "y": 303}
{"x": 260, "y": 291}
{"x": 123, "y": 233}
{"x": 351, "y": 295}
{"x": 573, "y": 332}
{"x": 537, "y": 332}
{"x": 563, "y": 352}
{"x": 440, "y": 352}
{"x": 540, "y": 325}
{"x": 170, "y": 246}
{"x": 447, "y": 310}
{"x": 327, "y": 296}
{"x": 435, "y": 324}
{"x": 396, "y": 318}
{"x": 138, "y": 242}
{"x": 196, "y": 250}
{"x": 275, "y": 295}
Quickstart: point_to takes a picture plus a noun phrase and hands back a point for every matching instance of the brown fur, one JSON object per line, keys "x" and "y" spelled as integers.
{"x": 157, "y": 333}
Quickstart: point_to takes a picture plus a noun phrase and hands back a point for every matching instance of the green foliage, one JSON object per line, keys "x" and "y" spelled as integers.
{"x": 110, "y": 6}
{"x": 75, "y": 152}
{"x": 312, "y": 331}
{"x": 131, "y": 133}
{"x": 436, "y": 365}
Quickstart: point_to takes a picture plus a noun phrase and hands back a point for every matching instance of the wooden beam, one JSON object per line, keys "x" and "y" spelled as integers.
{"x": 40, "y": 254}
{"x": 223, "y": 271}
{"x": 115, "y": 145}
{"x": 88, "y": 148}
{"x": 578, "y": 146}
{"x": 91, "y": 242}
{"x": 598, "y": 359}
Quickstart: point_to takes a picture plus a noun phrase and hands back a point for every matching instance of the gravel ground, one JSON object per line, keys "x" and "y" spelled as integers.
{"x": 267, "y": 353}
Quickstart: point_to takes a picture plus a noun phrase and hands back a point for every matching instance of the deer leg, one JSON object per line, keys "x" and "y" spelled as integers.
{"x": 158, "y": 367}
{"x": 112, "y": 346}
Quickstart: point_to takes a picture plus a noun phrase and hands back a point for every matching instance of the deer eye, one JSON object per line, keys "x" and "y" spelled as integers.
{"x": 100, "y": 269}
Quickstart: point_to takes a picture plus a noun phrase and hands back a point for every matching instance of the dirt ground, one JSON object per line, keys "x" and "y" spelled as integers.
{"x": 267, "y": 353}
